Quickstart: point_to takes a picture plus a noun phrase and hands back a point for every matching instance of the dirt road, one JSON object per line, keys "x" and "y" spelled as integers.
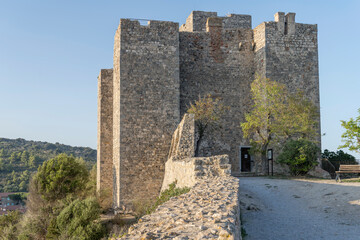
{"x": 300, "y": 209}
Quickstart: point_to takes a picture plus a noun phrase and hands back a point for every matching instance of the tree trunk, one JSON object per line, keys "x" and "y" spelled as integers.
{"x": 264, "y": 163}
{"x": 264, "y": 160}
{"x": 198, "y": 145}
{"x": 201, "y": 130}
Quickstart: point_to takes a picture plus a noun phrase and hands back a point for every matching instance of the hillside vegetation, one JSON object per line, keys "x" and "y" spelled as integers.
{"x": 20, "y": 158}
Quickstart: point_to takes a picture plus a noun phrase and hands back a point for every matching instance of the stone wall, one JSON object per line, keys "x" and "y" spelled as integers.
{"x": 260, "y": 49}
{"x": 211, "y": 210}
{"x": 160, "y": 69}
{"x": 146, "y": 106}
{"x": 104, "y": 180}
{"x": 287, "y": 52}
{"x": 219, "y": 61}
{"x": 292, "y": 56}
{"x": 185, "y": 169}
{"x": 196, "y": 22}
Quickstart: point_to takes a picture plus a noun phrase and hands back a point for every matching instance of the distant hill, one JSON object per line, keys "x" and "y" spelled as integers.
{"x": 20, "y": 158}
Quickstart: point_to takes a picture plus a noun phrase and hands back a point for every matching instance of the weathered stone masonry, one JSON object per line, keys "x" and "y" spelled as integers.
{"x": 146, "y": 106}
{"x": 104, "y": 183}
{"x": 218, "y": 60}
{"x": 159, "y": 69}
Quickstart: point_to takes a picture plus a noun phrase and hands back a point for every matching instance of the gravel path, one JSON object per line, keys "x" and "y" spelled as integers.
{"x": 297, "y": 209}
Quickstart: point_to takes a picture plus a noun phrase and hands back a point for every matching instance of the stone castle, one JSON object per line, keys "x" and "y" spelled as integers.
{"x": 159, "y": 69}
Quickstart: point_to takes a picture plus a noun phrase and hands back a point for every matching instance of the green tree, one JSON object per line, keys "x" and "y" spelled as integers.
{"x": 23, "y": 186}
{"x": 277, "y": 116}
{"x": 58, "y": 182}
{"x": 19, "y": 197}
{"x": 208, "y": 112}
{"x": 351, "y": 137}
{"x": 300, "y": 155}
{"x": 79, "y": 221}
{"x": 61, "y": 176}
{"x": 25, "y": 157}
{"x": 339, "y": 157}
{"x": 33, "y": 161}
{"x": 2, "y": 165}
{"x": 8, "y": 225}
{"x": 13, "y": 157}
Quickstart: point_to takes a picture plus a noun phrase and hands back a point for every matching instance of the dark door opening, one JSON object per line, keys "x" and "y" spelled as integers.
{"x": 245, "y": 159}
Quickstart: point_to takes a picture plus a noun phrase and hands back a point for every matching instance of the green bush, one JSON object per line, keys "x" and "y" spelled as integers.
{"x": 56, "y": 205}
{"x": 61, "y": 176}
{"x": 8, "y": 225}
{"x": 300, "y": 155}
{"x": 144, "y": 208}
{"x": 78, "y": 221}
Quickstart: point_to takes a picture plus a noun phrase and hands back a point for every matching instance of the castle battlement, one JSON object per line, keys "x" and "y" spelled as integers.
{"x": 152, "y": 24}
{"x": 196, "y": 22}
{"x": 159, "y": 69}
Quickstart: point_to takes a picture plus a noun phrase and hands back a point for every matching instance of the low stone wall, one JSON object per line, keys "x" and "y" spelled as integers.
{"x": 210, "y": 210}
{"x": 187, "y": 172}
{"x": 183, "y": 167}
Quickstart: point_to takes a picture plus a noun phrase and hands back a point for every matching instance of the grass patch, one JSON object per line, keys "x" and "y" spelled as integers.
{"x": 351, "y": 180}
{"x": 142, "y": 208}
{"x": 119, "y": 227}
{"x": 243, "y": 230}
{"x": 294, "y": 177}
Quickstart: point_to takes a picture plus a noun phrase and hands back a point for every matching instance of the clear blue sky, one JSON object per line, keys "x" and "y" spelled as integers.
{"x": 51, "y": 53}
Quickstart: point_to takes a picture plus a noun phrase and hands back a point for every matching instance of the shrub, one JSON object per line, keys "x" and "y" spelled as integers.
{"x": 61, "y": 176}
{"x": 58, "y": 189}
{"x": 144, "y": 208}
{"x": 8, "y": 225}
{"x": 300, "y": 155}
{"x": 79, "y": 220}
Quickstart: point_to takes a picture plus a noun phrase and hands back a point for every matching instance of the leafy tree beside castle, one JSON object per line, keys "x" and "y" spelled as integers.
{"x": 19, "y": 159}
{"x": 208, "y": 112}
{"x": 61, "y": 202}
{"x": 277, "y": 116}
{"x": 300, "y": 155}
{"x": 351, "y": 137}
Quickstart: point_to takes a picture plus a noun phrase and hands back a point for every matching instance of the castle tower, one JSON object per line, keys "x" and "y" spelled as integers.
{"x": 287, "y": 52}
{"x": 216, "y": 57}
{"x": 160, "y": 69}
{"x": 146, "y": 106}
{"x": 104, "y": 179}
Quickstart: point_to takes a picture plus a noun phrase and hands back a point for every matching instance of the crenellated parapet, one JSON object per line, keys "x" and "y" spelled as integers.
{"x": 196, "y": 22}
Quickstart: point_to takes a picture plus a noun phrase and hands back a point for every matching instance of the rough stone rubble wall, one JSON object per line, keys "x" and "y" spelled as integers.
{"x": 183, "y": 167}
{"x": 188, "y": 171}
{"x": 210, "y": 210}
{"x": 104, "y": 180}
{"x": 146, "y": 106}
